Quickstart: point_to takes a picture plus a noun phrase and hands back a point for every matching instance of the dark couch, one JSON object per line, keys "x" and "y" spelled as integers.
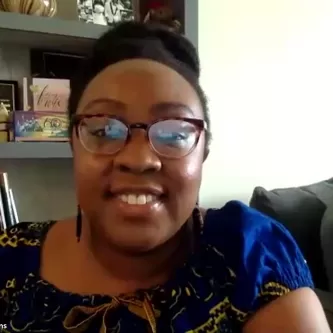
{"x": 307, "y": 212}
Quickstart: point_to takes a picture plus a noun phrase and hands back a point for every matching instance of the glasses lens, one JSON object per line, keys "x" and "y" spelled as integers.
{"x": 103, "y": 135}
{"x": 173, "y": 138}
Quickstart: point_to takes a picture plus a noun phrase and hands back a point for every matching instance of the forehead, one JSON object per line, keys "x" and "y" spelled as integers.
{"x": 141, "y": 83}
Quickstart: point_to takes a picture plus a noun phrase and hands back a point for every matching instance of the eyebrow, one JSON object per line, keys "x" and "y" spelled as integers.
{"x": 156, "y": 108}
{"x": 110, "y": 101}
{"x": 168, "y": 106}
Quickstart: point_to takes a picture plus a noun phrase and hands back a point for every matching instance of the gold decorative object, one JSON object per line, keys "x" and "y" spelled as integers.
{"x": 30, "y": 7}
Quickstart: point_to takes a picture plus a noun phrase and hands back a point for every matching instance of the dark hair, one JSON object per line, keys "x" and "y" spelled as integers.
{"x": 132, "y": 40}
{"x": 98, "y": 2}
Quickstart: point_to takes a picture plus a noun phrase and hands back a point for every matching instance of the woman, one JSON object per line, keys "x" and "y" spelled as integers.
{"x": 141, "y": 256}
{"x": 113, "y": 10}
{"x": 98, "y": 13}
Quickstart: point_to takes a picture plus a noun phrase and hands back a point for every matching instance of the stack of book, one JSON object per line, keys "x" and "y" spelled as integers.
{"x": 8, "y": 212}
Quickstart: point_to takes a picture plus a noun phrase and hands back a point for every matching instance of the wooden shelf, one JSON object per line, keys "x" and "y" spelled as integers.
{"x": 35, "y": 150}
{"x": 48, "y": 33}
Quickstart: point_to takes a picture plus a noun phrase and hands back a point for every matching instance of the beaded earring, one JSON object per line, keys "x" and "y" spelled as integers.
{"x": 198, "y": 221}
{"x": 78, "y": 224}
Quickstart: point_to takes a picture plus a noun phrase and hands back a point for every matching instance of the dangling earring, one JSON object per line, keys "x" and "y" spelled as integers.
{"x": 197, "y": 220}
{"x": 78, "y": 224}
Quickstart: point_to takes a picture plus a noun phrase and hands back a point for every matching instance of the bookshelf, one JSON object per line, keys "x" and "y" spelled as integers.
{"x": 47, "y": 33}
{"x": 19, "y": 33}
{"x": 39, "y": 150}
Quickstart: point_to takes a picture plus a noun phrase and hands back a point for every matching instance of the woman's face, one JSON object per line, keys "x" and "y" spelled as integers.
{"x": 138, "y": 91}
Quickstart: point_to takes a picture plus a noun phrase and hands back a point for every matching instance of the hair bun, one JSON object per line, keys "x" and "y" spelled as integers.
{"x": 136, "y": 33}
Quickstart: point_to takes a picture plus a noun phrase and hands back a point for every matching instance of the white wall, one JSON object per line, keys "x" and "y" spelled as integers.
{"x": 268, "y": 72}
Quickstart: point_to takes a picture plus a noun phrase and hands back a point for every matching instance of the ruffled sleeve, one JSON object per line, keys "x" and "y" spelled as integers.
{"x": 19, "y": 255}
{"x": 5, "y": 274}
{"x": 263, "y": 256}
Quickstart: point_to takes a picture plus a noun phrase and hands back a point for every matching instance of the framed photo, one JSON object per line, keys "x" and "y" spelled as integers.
{"x": 106, "y": 12}
{"x": 50, "y": 94}
{"x": 9, "y": 94}
{"x": 55, "y": 65}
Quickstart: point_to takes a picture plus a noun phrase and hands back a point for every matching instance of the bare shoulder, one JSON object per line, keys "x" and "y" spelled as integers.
{"x": 299, "y": 311}
{"x": 58, "y": 251}
{"x": 60, "y": 232}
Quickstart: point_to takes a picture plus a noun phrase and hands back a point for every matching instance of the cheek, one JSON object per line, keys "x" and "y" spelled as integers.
{"x": 88, "y": 171}
{"x": 183, "y": 179}
{"x": 186, "y": 176}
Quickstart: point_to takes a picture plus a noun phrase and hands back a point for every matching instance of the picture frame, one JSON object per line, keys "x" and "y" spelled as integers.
{"x": 9, "y": 94}
{"x": 107, "y": 12}
{"x": 54, "y": 65}
{"x": 50, "y": 94}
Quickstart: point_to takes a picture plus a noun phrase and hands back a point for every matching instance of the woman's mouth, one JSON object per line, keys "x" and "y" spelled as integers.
{"x": 143, "y": 202}
{"x": 137, "y": 199}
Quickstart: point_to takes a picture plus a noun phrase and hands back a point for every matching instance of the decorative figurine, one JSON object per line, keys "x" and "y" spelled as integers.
{"x": 160, "y": 12}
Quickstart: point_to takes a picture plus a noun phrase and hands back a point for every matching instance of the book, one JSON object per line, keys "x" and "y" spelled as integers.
{"x": 3, "y": 223}
{"x": 50, "y": 94}
{"x": 13, "y": 206}
{"x": 6, "y": 201}
{"x": 42, "y": 94}
{"x": 41, "y": 126}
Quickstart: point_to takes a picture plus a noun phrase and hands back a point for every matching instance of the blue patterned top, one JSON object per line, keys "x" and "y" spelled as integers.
{"x": 244, "y": 261}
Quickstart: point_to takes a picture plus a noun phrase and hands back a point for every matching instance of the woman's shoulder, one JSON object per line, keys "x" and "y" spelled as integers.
{"x": 19, "y": 257}
{"x": 242, "y": 216}
{"x": 262, "y": 255}
{"x": 24, "y": 234}
{"x": 244, "y": 233}
{"x": 236, "y": 223}
{"x": 20, "y": 244}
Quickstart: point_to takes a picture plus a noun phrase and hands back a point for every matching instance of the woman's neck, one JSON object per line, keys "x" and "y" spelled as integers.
{"x": 130, "y": 272}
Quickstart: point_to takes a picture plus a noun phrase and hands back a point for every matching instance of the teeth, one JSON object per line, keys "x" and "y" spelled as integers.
{"x": 134, "y": 199}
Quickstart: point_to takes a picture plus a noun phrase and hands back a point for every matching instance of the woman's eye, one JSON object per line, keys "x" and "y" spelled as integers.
{"x": 109, "y": 133}
{"x": 177, "y": 136}
{"x": 115, "y": 133}
{"x": 98, "y": 132}
{"x": 172, "y": 137}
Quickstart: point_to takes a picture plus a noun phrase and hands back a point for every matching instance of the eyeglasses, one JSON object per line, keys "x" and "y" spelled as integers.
{"x": 173, "y": 137}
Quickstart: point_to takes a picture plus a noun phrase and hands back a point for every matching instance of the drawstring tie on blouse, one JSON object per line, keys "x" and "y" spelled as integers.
{"x": 80, "y": 317}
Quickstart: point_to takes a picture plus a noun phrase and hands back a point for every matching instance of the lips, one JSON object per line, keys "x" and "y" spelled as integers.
{"x": 137, "y": 195}
{"x": 137, "y": 199}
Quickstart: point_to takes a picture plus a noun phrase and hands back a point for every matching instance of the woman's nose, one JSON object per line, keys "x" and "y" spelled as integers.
{"x": 138, "y": 156}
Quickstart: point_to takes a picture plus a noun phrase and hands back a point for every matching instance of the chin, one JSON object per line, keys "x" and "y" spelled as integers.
{"x": 137, "y": 241}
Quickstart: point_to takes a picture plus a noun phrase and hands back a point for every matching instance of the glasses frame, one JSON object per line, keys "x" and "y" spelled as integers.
{"x": 200, "y": 125}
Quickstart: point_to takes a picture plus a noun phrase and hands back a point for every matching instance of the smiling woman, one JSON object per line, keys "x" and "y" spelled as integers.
{"x": 141, "y": 256}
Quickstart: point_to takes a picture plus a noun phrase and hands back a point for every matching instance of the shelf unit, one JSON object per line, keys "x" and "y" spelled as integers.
{"x": 47, "y": 33}
{"x": 67, "y": 36}
{"x": 35, "y": 150}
